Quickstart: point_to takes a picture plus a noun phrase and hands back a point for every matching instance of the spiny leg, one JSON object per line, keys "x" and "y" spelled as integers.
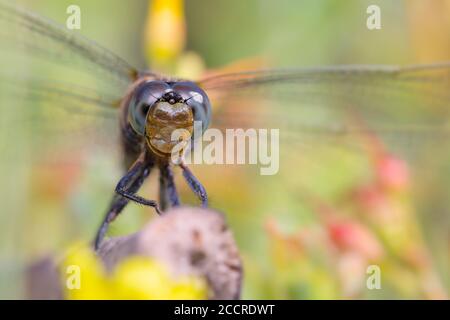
{"x": 133, "y": 180}
{"x": 124, "y": 187}
{"x": 115, "y": 208}
{"x": 195, "y": 185}
{"x": 168, "y": 195}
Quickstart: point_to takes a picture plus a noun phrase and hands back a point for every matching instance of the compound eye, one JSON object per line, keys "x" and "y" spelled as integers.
{"x": 143, "y": 98}
{"x": 197, "y": 99}
{"x": 138, "y": 113}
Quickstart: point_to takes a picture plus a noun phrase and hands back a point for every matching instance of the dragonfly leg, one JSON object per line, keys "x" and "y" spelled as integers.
{"x": 116, "y": 206}
{"x": 195, "y": 185}
{"x": 134, "y": 178}
{"x": 168, "y": 195}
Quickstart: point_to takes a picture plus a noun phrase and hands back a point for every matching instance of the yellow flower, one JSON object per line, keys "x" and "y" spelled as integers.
{"x": 142, "y": 278}
{"x": 165, "y": 31}
{"x": 133, "y": 278}
{"x": 83, "y": 276}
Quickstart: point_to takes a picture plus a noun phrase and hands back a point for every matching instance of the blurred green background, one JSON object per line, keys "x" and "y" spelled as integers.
{"x": 309, "y": 232}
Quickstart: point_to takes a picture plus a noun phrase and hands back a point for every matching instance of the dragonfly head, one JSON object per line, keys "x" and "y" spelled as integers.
{"x": 164, "y": 113}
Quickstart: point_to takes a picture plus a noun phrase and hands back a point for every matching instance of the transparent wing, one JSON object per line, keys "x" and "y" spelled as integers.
{"x": 407, "y": 107}
{"x": 49, "y": 116}
{"x": 57, "y": 87}
{"x": 42, "y": 38}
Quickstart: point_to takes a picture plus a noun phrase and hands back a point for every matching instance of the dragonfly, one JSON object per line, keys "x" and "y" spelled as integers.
{"x": 143, "y": 108}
